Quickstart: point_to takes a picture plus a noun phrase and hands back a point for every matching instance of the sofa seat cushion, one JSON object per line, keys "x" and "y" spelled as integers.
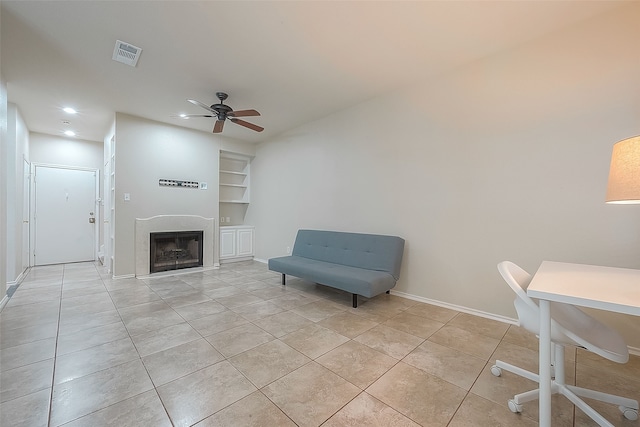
{"x": 367, "y": 283}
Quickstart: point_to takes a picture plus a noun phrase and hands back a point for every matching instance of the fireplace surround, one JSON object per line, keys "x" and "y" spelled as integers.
{"x": 172, "y": 223}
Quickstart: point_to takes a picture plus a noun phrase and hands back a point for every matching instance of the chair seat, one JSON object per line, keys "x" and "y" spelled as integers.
{"x": 589, "y": 333}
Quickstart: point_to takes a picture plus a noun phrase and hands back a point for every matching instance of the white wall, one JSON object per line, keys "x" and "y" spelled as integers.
{"x": 3, "y": 191}
{"x": 507, "y": 158}
{"x": 17, "y": 151}
{"x": 147, "y": 151}
{"x": 64, "y": 151}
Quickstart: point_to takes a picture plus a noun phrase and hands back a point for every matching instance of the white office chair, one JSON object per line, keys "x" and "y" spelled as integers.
{"x": 569, "y": 327}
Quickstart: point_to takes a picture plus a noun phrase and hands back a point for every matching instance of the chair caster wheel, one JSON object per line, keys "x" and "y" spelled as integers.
{"x": 496, "y": 371}
{"x": 514, "y": 407}
{"x": 629, "y": 413}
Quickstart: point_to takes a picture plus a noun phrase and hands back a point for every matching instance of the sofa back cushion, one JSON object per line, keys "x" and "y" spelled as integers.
{"x": 369, "y": 251}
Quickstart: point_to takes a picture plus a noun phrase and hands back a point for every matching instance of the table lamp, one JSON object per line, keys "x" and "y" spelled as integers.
{"x": 624, "y": 172}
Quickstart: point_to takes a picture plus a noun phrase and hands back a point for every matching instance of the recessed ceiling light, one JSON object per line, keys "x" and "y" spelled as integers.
{"x": 69, "y": 133}
{"x": 69, "y": 110}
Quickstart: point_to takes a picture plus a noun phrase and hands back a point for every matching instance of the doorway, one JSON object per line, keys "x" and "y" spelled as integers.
{"x": 64, "y": 215}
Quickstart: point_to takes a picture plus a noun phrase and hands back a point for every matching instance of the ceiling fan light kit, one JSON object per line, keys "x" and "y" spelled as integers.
{"x": 222, "y": 112}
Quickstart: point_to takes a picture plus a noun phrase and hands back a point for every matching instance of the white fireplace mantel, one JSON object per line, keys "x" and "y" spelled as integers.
{"x": 161, "y": 223}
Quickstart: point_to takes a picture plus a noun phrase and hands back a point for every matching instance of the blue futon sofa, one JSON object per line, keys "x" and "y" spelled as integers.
{"x": 362, "y": 264}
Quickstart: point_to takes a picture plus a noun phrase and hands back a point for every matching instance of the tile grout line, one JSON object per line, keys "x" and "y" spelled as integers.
{"x": 458, "y": 410}
{"x": 55, "y": 350}
{"x": 257, "y": 389}
{"x": 468, "y": 392}
{"x": 155, "y": 388}
{"x": 201, "y": 337}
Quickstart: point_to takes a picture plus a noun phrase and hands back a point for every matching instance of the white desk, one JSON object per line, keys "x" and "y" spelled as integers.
{"x": 604, "y": 288}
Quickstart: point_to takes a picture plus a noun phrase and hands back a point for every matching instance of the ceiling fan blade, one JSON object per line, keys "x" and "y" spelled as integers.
{"x": 243, "y": 113}
{"x": 246, "y": 124}
{"x": 200, "y": 104}
{"x": 188, "y": 116}
{"x": 217, "y": 128}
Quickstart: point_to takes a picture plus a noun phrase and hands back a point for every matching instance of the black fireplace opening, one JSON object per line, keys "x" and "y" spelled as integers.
{"x": 173, "y": 250}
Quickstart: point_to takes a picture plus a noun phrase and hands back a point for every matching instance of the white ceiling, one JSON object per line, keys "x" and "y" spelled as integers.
{"x": 292, "y": 61}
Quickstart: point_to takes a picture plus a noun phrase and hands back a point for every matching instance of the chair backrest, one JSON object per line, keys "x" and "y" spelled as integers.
{"x": 569, "y": 324}
{"x": 527, "y": 309}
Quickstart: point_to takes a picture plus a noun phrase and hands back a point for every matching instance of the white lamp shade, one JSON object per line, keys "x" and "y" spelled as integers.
{"x": 624, "y": 172}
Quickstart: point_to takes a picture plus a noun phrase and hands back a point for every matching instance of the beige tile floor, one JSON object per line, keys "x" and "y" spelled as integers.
{"x": 232, "y": 347}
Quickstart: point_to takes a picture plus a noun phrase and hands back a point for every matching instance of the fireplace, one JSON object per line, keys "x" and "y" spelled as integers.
{"x": 144, "y": 227}
{"x": 174, "y": 250}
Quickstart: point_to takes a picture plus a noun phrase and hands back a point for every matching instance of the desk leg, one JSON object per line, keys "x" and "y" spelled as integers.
{"x": 544, "y": 367}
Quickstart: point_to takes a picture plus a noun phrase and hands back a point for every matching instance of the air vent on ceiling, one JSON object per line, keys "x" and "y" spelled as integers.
{"x": 126, "y": 53}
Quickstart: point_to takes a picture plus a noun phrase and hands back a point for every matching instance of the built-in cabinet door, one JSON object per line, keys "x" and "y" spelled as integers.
{"x": 227, "y": 243}
{"x": 245, "y": 242}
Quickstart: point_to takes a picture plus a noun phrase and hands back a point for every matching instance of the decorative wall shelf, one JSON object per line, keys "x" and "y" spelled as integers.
{"x": 178, "y": 183}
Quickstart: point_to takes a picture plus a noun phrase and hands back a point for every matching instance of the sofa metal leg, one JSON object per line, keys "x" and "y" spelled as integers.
{"x": 388, "y": 292}
{"x": 284, "y": 280}
{"x": 354, "y": 301}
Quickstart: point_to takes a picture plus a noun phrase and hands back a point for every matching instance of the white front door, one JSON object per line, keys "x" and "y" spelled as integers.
{"x": 65, "y": 200}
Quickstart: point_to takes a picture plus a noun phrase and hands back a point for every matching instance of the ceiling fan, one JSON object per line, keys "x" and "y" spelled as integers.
{"x": 223, "y": 112}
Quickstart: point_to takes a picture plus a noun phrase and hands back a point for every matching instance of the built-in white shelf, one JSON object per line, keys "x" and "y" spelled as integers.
{"x": 234, "y": 178}
{"x": 234, "y": 185}
{"x": 233, "y": 173}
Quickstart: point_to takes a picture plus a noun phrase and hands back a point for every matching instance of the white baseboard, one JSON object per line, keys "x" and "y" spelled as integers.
{"x": 239, "y": 259}
{"x": 263, "y": 261}
{"x": 460, "y": 308}
{"x": 23, "y": 275}
{"x": 20, "y": 277}
{"x": 4, "y": 302}
{"x": 632, "y": 350}
{"x": 123, "y": 276}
